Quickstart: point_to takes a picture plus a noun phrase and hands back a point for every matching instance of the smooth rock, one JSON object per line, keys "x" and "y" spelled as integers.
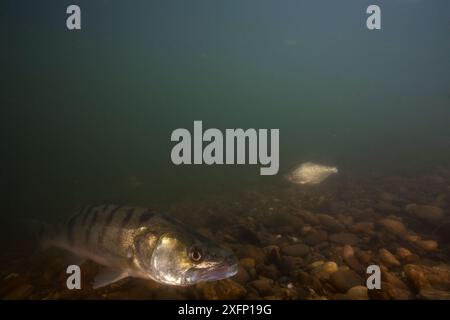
{"x": 394, "y": 226}
{"x": 350, "y": 259}
{"x": 388, "y": 258}
{"x": 403, "y": 253}
{"x": 247, "y": 263}
{"x": 325, "y": 270}
{"x": 357, "y": 293}
{"x": 316, "y": 237}
{"x": 427, "y": 245}
{"x": 364, "y": 257}
{"x": 344, "y": 238}
{"x": 263, "y": 286}
{"x": 222, "y": 290}
{"x": 348, "y": 251}
{"x": 269, "y": 271}
{"x": 346, "y": 220}
{"x": 309, "y": 217}
{"x": 343, "y": 280}
{"x": 330, "y": 222}
{"x": 291, "y": 265}
{"x": 363, "y": 228}
{"x": 315, "y": 264}
{"x": 250, "y": 251}
{"x": 296, "y": 250}
{"x": 427, "y": 213}
{"x": 242, "y": 275}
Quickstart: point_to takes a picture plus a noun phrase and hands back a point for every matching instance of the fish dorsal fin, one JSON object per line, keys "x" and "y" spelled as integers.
{"x": 107, "y": 276}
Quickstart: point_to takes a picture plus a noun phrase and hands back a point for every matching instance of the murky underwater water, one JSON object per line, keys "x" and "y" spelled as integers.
{"x": 87, "y": 119}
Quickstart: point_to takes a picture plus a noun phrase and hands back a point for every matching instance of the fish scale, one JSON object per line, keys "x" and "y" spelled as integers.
{"x": 137, "y": 242}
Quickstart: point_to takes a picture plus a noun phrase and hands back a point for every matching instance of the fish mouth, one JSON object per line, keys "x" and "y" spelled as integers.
{"x": 220, "y": 271}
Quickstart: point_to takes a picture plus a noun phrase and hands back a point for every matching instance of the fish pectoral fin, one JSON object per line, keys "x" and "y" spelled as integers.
{"x": 108, "y": 276}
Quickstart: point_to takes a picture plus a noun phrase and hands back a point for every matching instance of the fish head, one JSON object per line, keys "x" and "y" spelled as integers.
{"x": 180, "y": 259}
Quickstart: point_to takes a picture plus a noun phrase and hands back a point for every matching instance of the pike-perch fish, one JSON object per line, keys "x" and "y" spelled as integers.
{"x": 137, "y": 242}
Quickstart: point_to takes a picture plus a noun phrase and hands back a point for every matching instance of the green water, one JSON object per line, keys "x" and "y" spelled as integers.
{"x": 83, "y": 111}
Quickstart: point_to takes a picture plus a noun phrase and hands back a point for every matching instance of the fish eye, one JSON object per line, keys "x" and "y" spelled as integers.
{"x": 195, "y": 254}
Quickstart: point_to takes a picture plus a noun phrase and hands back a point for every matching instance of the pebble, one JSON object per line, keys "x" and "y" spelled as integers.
{"x": 343, "y": 280}
{"x": 364, "y": 257}
{"x": 309, "y": 217}
{"x": 350, "y": 259}
{"x": 315, "y": 264}
{"x": 247, "y": 263}
{"x": 330, "y": 222}
{"x": 316, "y": 237}
{"x": 263, "y": 286}
{"x": 427, "y": 213}
{"x": 222, "y": 290}
{"x": 363, "y": 228}
{"x": 412, "y": 238}
{"x": 325, "y": 270}
{"x": 346, "y": 220}
{"x": 251, "y": 251}
{"x": 357, "y": 293}
{"x": 242, "y": 276}
{"x": 394, "y": 226}
{"x": 296, "y": 250}
{"x": 291, "y": 265}
{"x": 427, "y": 245}
{"x": 403, "y": 253}
{"x": 269, "y": 271}
{"x": 344, "y": 238}
{"x": 348, "y": 251}
{"x": 388, "y": 258}
{"x": 308, "y": 283}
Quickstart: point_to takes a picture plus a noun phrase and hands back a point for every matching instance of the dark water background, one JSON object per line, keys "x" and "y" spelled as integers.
{"x": 83, "y": 112}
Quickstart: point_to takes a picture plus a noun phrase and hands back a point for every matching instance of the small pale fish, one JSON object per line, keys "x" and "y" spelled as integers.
{"x": 137, "y": 242}
{"x": 310, "y": 173}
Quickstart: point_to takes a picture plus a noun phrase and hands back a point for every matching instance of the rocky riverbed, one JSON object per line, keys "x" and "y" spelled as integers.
{"x": 293, "y": 242}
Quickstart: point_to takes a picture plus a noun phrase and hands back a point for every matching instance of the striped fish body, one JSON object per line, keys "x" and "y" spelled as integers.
{"x": 104, "y": 233}
{"x": 138, "y": 242}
